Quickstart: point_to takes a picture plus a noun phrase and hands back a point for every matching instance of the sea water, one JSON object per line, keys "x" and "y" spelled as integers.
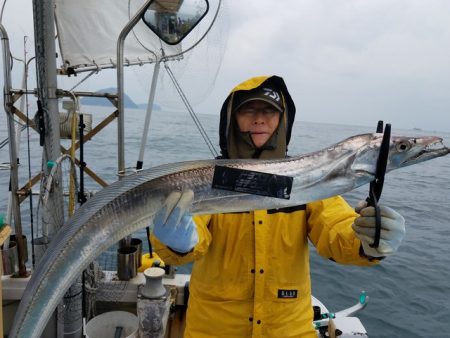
{"x": 409, "y": 291}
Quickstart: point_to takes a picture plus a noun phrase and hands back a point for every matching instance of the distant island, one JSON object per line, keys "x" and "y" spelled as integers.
{"x": 101, "y": 101}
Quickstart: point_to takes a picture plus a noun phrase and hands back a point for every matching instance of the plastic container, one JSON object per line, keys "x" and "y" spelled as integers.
{"x": 104, "y": 325}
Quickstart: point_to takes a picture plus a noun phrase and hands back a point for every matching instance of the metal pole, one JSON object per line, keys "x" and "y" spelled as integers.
{"x": 14, "y": 175}
{"x": 151, "y": 100}
{"x": 120, "y": 91}
{"x": 44, "y": 31}
{"x": 45, "y": 51}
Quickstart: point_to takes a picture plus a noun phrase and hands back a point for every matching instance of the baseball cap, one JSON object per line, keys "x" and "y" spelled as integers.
{"x": 263, "y": 93}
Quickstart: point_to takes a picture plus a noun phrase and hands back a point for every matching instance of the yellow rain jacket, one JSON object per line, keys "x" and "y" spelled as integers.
{"x": 251, "y": 275}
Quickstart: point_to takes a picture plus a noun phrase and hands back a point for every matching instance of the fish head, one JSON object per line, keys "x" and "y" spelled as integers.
{"x": 405, "y": 151}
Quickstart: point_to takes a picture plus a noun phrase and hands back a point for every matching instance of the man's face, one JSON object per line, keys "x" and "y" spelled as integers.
{"x": 260, "y": 119}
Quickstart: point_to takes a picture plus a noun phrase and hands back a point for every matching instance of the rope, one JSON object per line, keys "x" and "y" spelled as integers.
{"x": 53, "y": 171}
{"x": 93, "y": 275}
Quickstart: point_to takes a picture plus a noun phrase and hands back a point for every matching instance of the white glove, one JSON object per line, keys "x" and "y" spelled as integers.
{"x": 392, "y": 229}
{"x": 174, "y": 226}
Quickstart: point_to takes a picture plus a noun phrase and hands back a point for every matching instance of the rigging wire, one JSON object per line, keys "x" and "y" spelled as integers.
{"x": 197, "y": 122}
{"x": 165, "y": 58}
{"x": 6, "y": 140}
{"x": 83, "y": 79}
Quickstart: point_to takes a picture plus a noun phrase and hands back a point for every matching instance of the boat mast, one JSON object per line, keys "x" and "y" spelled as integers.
{"x": 44, "y": 37}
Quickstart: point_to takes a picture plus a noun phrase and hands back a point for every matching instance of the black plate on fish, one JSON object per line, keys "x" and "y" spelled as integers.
{"x": 252, "y": 182}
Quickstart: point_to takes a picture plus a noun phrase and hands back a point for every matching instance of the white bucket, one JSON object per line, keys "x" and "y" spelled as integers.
{"x": 104, "y": 325}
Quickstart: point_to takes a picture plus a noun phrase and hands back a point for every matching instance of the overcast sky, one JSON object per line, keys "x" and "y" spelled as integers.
{"x": 347, "y": 61}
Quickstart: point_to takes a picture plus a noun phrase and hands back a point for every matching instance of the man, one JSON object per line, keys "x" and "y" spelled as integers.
{"x": 250, "y": 276}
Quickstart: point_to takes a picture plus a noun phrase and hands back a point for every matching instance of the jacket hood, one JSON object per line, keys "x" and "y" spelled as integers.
{"x": 276, "y": 147}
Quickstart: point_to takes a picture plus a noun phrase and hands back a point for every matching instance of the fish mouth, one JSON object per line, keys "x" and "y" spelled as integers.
{"x": 433, "y": 149}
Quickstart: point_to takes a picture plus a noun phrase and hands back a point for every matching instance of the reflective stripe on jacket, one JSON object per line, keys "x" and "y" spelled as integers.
{"x": 251, "y": 273}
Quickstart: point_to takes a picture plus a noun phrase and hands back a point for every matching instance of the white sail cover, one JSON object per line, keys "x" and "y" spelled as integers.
{"x": 88, "y": 31}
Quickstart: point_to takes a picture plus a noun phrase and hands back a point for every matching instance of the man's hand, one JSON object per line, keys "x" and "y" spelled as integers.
{"x": 392, "y": 230}
{"x": 174, "y": 226}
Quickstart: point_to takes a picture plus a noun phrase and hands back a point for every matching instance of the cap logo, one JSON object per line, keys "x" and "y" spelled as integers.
{"x": 272, "y": 94}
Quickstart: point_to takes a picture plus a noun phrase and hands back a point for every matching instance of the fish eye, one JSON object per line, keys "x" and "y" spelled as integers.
{"x": 403, "y": 146}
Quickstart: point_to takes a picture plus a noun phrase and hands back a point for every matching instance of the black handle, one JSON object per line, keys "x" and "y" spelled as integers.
{"x": 376, "y": 186}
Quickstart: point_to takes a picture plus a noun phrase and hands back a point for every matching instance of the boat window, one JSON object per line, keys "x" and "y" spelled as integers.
{"x": 172, "y": 20}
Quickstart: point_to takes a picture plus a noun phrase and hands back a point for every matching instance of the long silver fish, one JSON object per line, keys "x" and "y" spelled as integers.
{"x": 130, "y": 204}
